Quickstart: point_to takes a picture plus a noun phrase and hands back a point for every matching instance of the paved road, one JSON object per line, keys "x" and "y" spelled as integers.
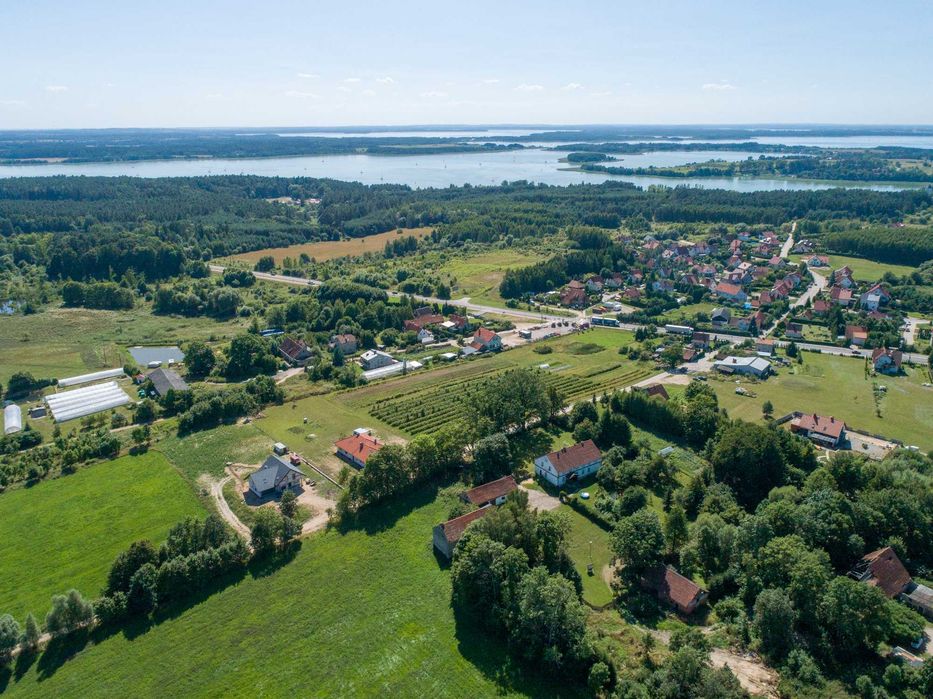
{"x": 461, "y": 303}
{"x": 789, "y": 243}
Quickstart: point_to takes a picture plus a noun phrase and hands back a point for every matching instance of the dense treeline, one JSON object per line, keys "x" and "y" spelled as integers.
{"x": 902, "y": 246}
{"x": 558, "y": 270}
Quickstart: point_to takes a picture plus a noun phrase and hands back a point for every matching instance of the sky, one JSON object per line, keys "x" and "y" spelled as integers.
{"x": 96, "y": 63}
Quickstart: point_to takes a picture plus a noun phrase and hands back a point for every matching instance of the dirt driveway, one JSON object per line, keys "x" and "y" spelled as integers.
{"x": 539, "y": 500}
{"x": 753, "y": 676}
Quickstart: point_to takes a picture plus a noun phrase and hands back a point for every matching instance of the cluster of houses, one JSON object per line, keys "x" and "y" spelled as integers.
{"x": 557, "y": 469}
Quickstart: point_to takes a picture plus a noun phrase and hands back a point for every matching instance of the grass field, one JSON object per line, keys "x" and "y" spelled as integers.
{"x": 863, "y": 270}
{"x": 479, "y": 276}
{"x": 208, "y": 451}
{"x": 836, "y": 386}
{"x": 332, "y": 249}
{"x": 61, "y": 342}
{"x": 365, "y": 613}
{"x": 66, "y": 532}
{"x": 687, "y": 311}
{"x": 590, "y": 543}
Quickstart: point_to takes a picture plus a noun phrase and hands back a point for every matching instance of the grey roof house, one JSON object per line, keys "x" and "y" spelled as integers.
{"x": 275, "y": 474}
{"x": 165, "y": 380}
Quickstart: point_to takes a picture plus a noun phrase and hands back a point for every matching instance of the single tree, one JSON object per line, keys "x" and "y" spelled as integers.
{"x": 676, "y": 529}
{"x": 9, "y": 637}
{"x": 288, "y": 504}
{"x": 266, "y": 530}
{"x": 639, "y": 542}
{"x": 31, "y": 633}
{"x": 773, "y": 624}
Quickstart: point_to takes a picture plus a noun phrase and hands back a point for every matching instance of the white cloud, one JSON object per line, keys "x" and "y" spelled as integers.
{"x": 721, "y": 86}
{"x": 299, "y": 93}
{"x": 368, "y": 93}
{"x": 12, "y": 103}
{"x": 344, "y": 88}
{"x": 351, "y": 80}
{"x": 385, "y": 81}
{"x": 307, "y": 76}
{"x": 525, "y": 87}
{"x": 605, "y": 93}
{"x": 56, "y": 88}
{"x": 572, "y": 86}
{"x": 491, "y": 81}
{"x": 434, "y": 94}
{"x": 214, "y": 95}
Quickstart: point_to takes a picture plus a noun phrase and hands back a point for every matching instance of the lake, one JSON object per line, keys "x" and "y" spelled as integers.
{"x": 420, "y": 171}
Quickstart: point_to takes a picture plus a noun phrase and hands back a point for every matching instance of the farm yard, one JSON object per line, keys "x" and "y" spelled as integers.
{"x": 331, "y": 249}
{"x": 380, "y": 581}
{"x": 66, "y": 532}
{"x": 837, "y": 386}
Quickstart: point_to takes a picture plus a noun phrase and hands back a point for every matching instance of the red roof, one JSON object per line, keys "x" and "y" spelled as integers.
{"x": 887, "y": 572}
{"x": 484, "y": 335}
{"x": 453, "y": 529}
{"x": 829, "y": 426}
{"x": 894, "y": 355}
{"x": 487, "y": 492}
{"x": 675, "y": 587}
{"x": 570, "y": 459}
{"x": 292, "y": 348}
{"x": 360, "y": 446}
{"x": 727, "y": 288}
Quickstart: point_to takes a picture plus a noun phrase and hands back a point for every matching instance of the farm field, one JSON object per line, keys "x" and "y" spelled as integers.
{"x": 366, "y": 613}
{"x": 66, "y": 532}
{"x": 331, "y": 249}
{"x": 687, "y": 311}
{"x": 863, "y": 270}
{"x": 479, "y": 276}
{"x": 836, "y": 386}
{"x": 59, "y": 342}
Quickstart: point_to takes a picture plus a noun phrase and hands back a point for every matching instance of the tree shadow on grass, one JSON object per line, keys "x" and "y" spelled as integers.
{"x": 529, "y": 445}
{"x": 382, "y": 516}
{"x": 490, "y": 654}
{"x": 59, "y": 651}
{"x": 24, "y": 661}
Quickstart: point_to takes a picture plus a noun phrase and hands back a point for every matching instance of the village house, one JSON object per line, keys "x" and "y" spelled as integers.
{"x": 856, "y": 335}
{"x": 357, "y": 448}
{"x": 165, "y": 380}
{"x": 614, "y": 281}
{"x": 447, "y": 535}
{"x": 824, "y": 431}
{"x": 720, "y": 317}
{"x": 746, "y": 366}
{"x": 843, "y": 277}
{"x": 296, "y": 352}
{"x": 375, "y": 359}
{"x": 817, "y": 261}
{"x": 274, "y": 476}
{"x": 346, "y": 342}
{"x": 423, "y": 321}
{"x": 821, "y": 307}
{"x": 840, "y": 296}
{"x": 690, "y": 354}
{"x": 595, "y": 283}
{"x": 700, "y": 340}
{"x": 485, "y": 340}
{"x": 569, "y": 463}
{"x": 731, "y": 292}
{"x": 886, "y": 360}
{"x": 794, "y": 331}
{"x": 764, "y": 346}
{"x": 492, "y": 493}
{"x": 631, "y": 294}
{"x": 874, "y": 298}
{"x": 884, "y": 570}
{"x": 741, "y": 324}
{"x": 655, "y": 389}
{"x": 425, "y": 336}
{"x": 675, "y": 589}
{"x": 573, "y": 295}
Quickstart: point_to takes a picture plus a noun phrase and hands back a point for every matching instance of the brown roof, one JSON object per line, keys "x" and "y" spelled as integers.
{"x": 674, "y": 586}
{"x": 887, "y": 572}
{"x": 453, "y": 529}
{"x": 361, "y": 446}
{"x": 570, "y": 459}
{"x": 656, "y": 389}
{"x": 487, "y": 492}
{"x": 292, "y": 348}
{"x": 727, "y": 288}
{"x": 829, "y": 426}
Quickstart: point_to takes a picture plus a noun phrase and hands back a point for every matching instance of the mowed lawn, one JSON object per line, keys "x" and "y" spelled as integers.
{"x": 66, "y": 532}
{"x": 332, "y": 249}
{"x": 863, "y": 270}
{"x": 365, "y": 613}
{"x": 589, "y": 543}
{"x": 836, "y": 386}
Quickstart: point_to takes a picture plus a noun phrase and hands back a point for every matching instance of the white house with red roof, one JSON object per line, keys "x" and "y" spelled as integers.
{"x": 886, "y": 360}
{"x": 485, "y": 340}
{"x": 569, "y": 463}
{"x": 824, "y": 431}
{"x": 357, "y": 448}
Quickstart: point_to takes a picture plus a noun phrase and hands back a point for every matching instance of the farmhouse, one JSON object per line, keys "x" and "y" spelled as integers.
{"x": 275, "y": 475}
{"x": 700, "y": 340}
{"x": 165, "y": 380}
{"x": 296, "y": 352}
{"x": 655, "y": 389}
{"x": 794, "y": 331}
{"x": 675, "y": 589}
{"x": 569, "y": 463}
{"x": 720, "y": 317}
{"x": 346, "y": 342}
{"x": 764, "y": 346}
{"x": 357, "y": 448}
{"x": 492, "y": 493}
{"x": 886, "y": 360}
{"x": 856, "y": 335}
{"x": 573, "y": 295}
{"x": 485, "y": 340}
{"x": 447, "y": 535}
{"x": 884, "y": 570}
{"x": 374, "y": 359}
{"x": 748, "y": 366}
{"x": 824, "y": 431}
